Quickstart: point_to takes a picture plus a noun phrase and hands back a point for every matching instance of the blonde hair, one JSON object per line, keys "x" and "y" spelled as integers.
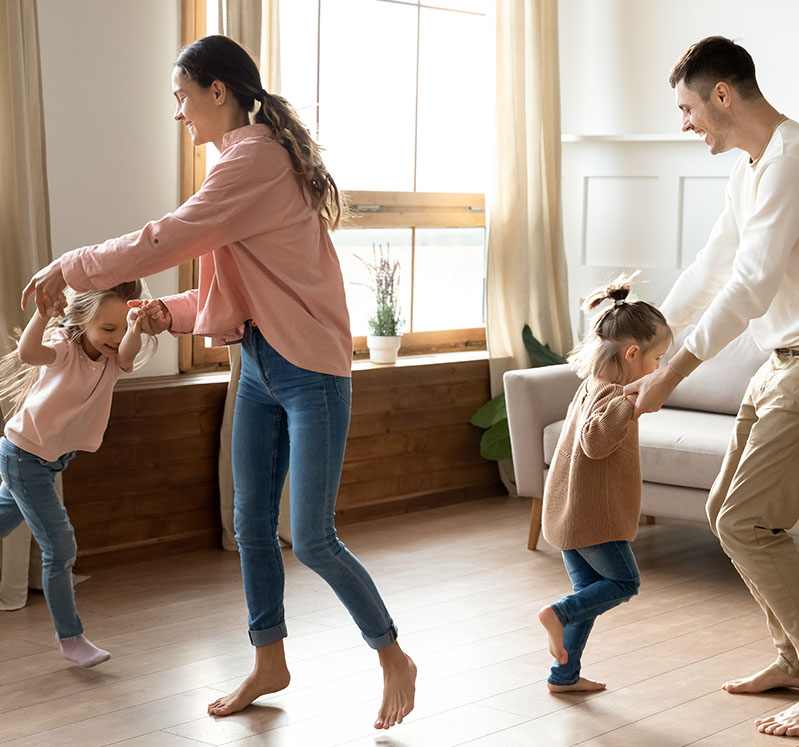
{"x": 17, "y": 378}
{"x": 601, "y": 351}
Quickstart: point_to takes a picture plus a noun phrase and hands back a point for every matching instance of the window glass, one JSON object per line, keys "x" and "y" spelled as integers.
{"x": 359, "y": 242}
{"x": 298, "y": 52}
{"x": 454, "y": 102}
{"x": 449, "y": 278}
{"x": 474, "y": 6}
{"x": 367, "y": 93}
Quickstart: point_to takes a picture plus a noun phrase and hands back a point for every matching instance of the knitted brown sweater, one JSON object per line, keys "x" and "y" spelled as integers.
{"x": 593, "y": 490}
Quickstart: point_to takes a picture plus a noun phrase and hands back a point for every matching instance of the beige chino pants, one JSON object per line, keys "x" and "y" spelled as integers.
{"x": 755, "y": 500}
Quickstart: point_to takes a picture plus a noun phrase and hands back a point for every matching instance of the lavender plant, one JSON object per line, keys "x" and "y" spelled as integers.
{"x": 384, "y": 277}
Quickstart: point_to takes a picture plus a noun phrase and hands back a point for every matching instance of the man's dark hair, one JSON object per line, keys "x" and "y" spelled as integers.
{"x": 715, "y": 59}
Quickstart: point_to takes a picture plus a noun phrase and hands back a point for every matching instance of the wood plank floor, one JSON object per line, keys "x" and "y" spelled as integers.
{"x": 464, "y": 592}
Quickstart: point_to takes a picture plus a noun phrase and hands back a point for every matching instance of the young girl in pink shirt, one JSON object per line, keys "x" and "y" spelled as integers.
{"x": 61, "y": 379}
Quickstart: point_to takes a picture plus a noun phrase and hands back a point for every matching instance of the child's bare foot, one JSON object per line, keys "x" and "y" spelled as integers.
{"x": 582, "y": 685}
{"x": 269, "y": 676}
{"x": 554, "y": 628}
{"x": 766, "y": 679}
{"x": 399, "y": 686}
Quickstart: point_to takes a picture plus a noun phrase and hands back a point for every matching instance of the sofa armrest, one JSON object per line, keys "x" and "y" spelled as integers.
{"x": 535, "y": 398}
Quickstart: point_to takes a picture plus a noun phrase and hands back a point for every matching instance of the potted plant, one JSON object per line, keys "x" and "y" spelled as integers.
{"x": 384, "y": 274}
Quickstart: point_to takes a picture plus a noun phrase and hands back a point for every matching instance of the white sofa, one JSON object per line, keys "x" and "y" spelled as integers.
{"x": 682, "y": 445}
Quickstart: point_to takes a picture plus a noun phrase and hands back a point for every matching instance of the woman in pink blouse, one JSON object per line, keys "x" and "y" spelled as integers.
{"x": 270, "y": 279}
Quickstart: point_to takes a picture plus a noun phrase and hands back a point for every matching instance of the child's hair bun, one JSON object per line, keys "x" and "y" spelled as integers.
{"x": 616, "y": 290}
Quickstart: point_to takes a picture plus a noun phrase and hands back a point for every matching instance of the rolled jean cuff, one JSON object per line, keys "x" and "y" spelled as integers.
{"x": 384, "y": 641}
{"x": 562, "y": 683}
{"x": 268, "y": 636}
{"x": 561, "y": 616}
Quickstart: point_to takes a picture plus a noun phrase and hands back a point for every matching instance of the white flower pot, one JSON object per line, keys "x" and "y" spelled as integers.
{"x": 383, "y": 349}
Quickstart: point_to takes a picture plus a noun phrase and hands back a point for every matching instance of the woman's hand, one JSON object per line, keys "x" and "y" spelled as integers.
{"x": 156, "y": 317}
{"x": 48, "y": 284}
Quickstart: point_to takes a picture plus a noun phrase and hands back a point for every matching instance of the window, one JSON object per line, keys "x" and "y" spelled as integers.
{"x": 398, "y": 92}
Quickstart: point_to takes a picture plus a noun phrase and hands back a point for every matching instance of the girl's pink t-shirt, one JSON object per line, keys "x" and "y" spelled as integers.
{"x": 264, "y": 255}
{"x": 68, "y": 407}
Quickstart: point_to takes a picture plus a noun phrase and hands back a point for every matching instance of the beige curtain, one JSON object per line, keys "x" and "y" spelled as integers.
{"x": 255, "y": 25}
{"x": 24, "y": 217}
{"x": 526, "y": 274}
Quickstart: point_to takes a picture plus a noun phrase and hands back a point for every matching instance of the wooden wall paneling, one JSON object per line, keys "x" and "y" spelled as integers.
{"x": 152, "y": 486}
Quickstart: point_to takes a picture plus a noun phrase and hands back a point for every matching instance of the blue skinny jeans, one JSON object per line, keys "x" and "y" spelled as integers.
{"x": 28, "y": 493}
{"x": 290, "y": 417}
{"x": 603, "y": 576}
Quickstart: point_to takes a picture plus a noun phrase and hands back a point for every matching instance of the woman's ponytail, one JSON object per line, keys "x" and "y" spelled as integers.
{"x": 319, "y": 187}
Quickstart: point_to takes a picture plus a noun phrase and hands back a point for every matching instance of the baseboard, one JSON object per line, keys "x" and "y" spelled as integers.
{"x": 137, "y": 552}
{"x": 418, "y": 502}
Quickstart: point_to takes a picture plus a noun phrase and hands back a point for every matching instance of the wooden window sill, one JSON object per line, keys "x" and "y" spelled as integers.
{"x": 215, "y": 377}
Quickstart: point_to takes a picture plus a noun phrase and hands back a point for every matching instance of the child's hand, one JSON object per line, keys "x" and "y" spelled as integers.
{"x": 156, "y": 317}
{"x": 131, "y": 342}
{"x": 135, "y": 319}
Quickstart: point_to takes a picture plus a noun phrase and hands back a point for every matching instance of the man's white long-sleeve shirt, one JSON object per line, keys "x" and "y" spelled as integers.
{"x": 748, "y": 272}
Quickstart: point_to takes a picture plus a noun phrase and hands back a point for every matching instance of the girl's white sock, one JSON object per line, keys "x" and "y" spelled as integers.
{"x": 82, "y": 651}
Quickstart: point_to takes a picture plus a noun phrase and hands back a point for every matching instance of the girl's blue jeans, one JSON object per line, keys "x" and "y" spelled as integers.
{"x": 290, "y": 417}
{"x": 28, "y": 493}
{"x": 603, "y": 577}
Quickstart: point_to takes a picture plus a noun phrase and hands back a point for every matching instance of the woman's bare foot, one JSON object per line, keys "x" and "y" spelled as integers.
{"x": 399, "y": 686}
{"x": 785, "y": 723}
{"x": 269, "y": 675}
{"x": 582, "y": 685}
{"x": 554, "y": 628}
{"x": 766, "y": 679}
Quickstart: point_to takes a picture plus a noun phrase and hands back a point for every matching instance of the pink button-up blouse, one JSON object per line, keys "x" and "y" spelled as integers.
{"x": 264, "y": 255}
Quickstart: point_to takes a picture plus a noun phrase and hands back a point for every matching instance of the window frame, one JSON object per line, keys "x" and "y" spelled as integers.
{"x": 369, "y": 209}
{"x": 193, "y": 355}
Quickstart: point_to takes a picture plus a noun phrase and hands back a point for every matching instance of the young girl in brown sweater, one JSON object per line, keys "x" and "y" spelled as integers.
{"x": 592, "y": 498}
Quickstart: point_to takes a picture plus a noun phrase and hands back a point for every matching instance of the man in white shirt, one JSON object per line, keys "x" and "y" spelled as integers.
{"x": 747, "y": 275}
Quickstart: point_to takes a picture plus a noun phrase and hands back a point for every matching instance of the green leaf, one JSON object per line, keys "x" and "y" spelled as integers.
{"x": 540, "y": 355}
{"x": 491, "y": 412}
{"x": 495, "y": 443}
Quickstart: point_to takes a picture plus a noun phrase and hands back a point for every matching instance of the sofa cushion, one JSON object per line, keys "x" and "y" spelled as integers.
{"x": 678, "y": 447}
{"x": 719, "y": 384}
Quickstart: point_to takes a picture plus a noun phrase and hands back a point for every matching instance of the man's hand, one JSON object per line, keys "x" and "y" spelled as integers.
{"x": 653, "y": 390}
{"x": 48, "y": 284}
{"x": 156, "y": 317}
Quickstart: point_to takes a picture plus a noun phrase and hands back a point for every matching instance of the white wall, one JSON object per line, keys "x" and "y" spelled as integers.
{"x": 112, "y": 145}
{"x": 616, "y": 56}
{"x": 637, "y": 193}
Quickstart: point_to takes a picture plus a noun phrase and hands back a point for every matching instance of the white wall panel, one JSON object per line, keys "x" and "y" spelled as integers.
{"x": 701, "y": 203}
{"x": 631, "y": 205}
{"x": 619, "y": 215}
